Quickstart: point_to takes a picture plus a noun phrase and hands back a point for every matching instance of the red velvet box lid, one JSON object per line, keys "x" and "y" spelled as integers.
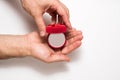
{"x": 56, "y": 28}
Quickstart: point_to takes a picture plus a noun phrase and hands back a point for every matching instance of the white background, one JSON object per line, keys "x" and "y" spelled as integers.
{"x": 97, "y": 59}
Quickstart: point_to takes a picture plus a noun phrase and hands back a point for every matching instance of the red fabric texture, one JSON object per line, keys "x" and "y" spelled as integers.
{"x": 56, "y": 28}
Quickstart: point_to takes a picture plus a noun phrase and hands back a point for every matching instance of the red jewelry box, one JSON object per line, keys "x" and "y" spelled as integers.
{"x": 56, "y": 37}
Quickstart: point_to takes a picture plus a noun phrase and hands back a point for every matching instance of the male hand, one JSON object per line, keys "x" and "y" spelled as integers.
{"x": 41, "y": 50}
{"x": 34, "y": 45}
{"x": 37, "y": 8}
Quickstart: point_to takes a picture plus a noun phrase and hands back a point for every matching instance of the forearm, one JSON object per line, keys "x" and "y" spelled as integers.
{"x": 13, "y": 46}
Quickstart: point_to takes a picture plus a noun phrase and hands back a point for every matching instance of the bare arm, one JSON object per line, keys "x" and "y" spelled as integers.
{"x": 33, "y": 45}
{"x": 13, "y": 46}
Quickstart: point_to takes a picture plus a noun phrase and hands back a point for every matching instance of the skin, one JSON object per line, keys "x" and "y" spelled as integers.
{"x": 36, "y": 8}
{"x": 33, "y": 45}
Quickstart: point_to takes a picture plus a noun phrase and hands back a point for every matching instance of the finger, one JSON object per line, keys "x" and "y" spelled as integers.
{"x": 70, "y": 30}
{"x": 74, "y": 39}
{"x": 41, "y": 25}
{"x": 73, "y": 34}
{"x": 67, "y": 10}
{"x": 60, "y": 21}
{"x": 71, "y": 47}
{"x": 54, "y": 15}
{"x": 65, "y": 17}
{"x": 57, "y": 58}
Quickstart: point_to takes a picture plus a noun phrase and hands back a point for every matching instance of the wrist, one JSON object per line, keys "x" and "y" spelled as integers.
{"x": 24, "y": 48}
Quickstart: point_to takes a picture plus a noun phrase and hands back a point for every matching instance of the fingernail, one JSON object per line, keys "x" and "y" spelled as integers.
{"x": 42, "y": 33}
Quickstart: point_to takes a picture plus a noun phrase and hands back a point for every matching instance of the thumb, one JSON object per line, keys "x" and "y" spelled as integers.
{"x": 41, "y": 25}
